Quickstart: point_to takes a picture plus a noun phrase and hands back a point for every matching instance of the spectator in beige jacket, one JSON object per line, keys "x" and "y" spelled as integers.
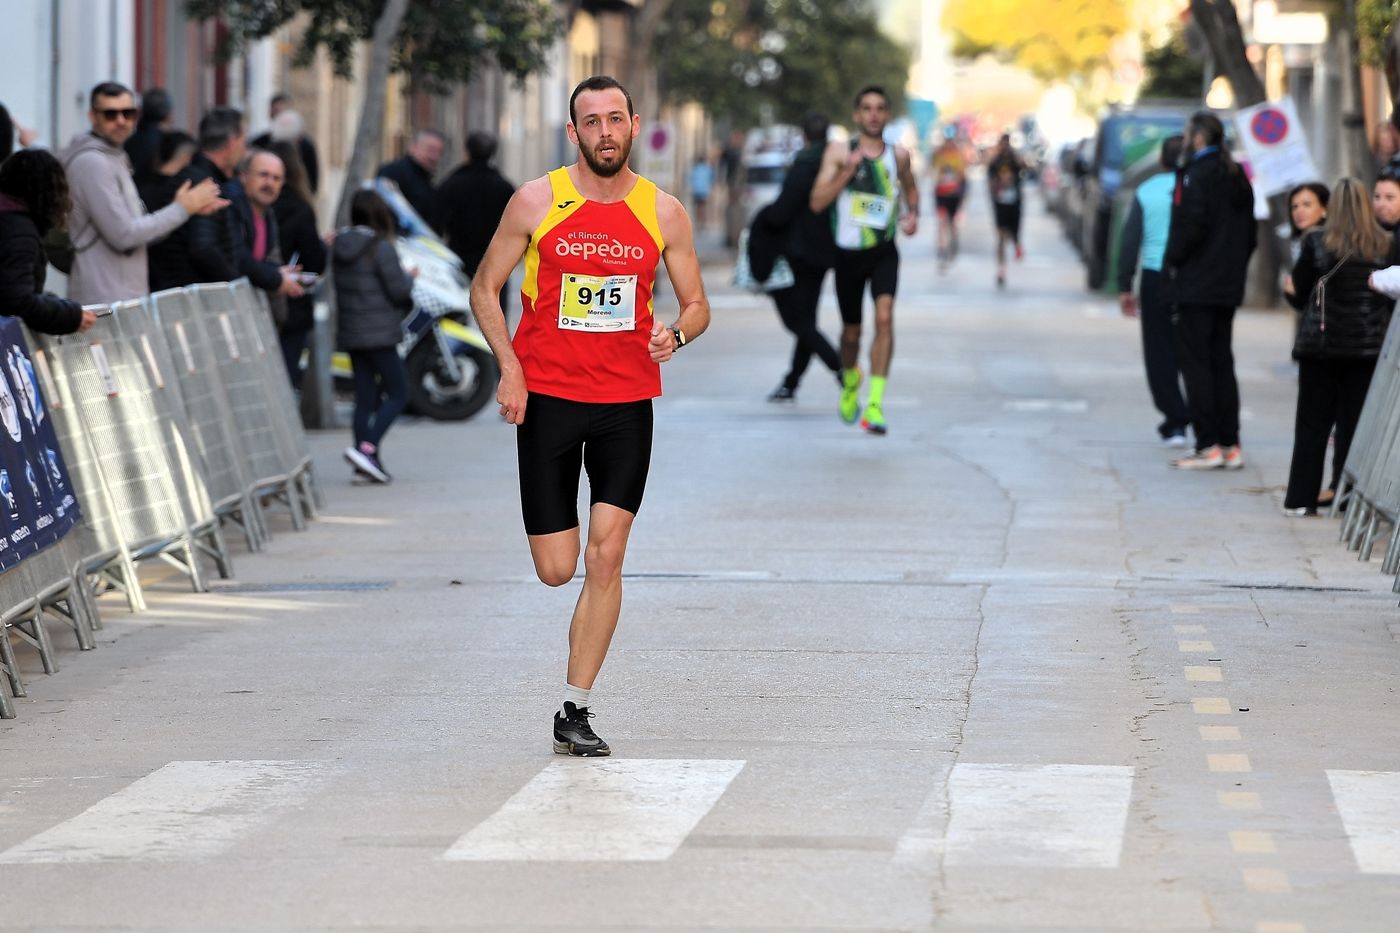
{"x": 109, "y": 225}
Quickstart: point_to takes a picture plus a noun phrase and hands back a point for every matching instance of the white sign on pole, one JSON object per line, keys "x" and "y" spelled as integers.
{"x": 657, "y": 146}
{"x": 1273, "y": 140}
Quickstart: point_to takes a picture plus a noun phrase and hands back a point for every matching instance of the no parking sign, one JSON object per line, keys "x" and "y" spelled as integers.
{"x": 1274, "y": 142}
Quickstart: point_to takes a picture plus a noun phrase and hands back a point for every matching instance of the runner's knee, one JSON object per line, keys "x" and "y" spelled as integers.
{"x": 604, "y": 558}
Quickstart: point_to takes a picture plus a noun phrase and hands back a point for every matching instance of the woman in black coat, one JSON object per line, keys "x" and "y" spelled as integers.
{"x": 297, "y": 236}
{"x": 1338, "y": 343}
{"x": 33, "y": 201}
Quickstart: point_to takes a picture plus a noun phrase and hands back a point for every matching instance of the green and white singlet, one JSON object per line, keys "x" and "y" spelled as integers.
{"x": 867, "y": 209}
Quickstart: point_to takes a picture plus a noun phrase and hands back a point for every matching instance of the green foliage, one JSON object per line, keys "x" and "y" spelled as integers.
{"x": 1171, "y": 72}
{"x": 1374, "y": 19}
{"x": 748, "y": 62}
{"x": 441, "y": 43}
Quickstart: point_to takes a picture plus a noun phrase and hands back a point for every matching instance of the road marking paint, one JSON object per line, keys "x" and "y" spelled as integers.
{"x": 1189, "y": 629}
{"x": 1238, "y": 799}
{"x": 1247, "y": 842}
{"x": 1369, "y": 804}
{"x": 1220, "y": 733}
{"x": 187, "y": 809}
{"x": 1203, "y": 673}
{"x": 600, "y": 810}
{"x": 1070, "y": 816}
{"x": 1267, "y": 881}
{"x": 1211, "y": 706}
{"x": 1273, "y": 926}
{"x": 1228, "y": 763}
{"x": 1195, "y": 647}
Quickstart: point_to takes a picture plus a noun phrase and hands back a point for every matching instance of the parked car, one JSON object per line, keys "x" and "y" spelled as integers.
{"x": 1072, "y": 183}
{"x": 1124, "y": 137}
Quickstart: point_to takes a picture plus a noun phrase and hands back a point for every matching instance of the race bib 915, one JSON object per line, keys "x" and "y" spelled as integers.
{"x": 597, "y": 303}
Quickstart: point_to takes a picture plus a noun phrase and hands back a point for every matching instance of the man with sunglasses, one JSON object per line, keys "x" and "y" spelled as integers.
{"x": 109, "y": 225}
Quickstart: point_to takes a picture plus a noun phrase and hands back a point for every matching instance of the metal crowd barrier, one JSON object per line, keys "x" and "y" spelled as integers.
{"x": 175, "y": 416}
{"x": 1370, "y": 483}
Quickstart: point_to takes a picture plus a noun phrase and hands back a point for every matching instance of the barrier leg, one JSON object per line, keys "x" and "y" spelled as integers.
{"x": 7, "y": 661}
{"x": 120, "y": 574}
{"x": 211, "y": 544}
{"x": 30, "y": 628}
{"x": 1368, "y": 540}
{"x": 66, "y": 609}
{"x": 310, "y": 491}
{"x": 1391, "y": 564}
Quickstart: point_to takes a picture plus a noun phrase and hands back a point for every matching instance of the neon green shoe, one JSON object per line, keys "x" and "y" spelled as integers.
{"x": 874, "y": 420}
{"x": 850, "y": 395}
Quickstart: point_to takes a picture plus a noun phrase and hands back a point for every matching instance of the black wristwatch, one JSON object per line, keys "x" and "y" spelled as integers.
{"x": 680, "y": 337}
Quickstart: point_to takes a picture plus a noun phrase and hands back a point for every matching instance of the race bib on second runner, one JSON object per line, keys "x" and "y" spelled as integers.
{"x": 871, "y": 210}
{"x": 597, "y": 303}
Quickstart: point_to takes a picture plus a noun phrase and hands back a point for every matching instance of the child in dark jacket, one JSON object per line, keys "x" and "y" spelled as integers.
{"x": 373, "y": 294}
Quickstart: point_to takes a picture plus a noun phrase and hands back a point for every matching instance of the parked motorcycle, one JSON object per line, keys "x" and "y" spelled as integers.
{"x": 452, "y": 372}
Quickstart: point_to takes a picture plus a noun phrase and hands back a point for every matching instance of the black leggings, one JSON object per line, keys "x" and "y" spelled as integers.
{"x": 797, "y": 306}
{"x": 1329, "y": 392}
{"x": 381, "y": 391}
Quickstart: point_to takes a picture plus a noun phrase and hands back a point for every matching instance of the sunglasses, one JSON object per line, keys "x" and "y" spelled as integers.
{"x": 130, "y": 113}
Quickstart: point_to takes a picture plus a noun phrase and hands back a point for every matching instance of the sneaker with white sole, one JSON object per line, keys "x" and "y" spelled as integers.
{"x": 1209, "y": 459}
{"x": 1234, "y": 458}
{"x": 364, "y": 461}
{"x": 1174, "y": 440}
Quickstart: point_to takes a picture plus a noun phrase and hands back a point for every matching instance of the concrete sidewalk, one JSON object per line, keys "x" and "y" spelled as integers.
{"x": 1000, "y": 670}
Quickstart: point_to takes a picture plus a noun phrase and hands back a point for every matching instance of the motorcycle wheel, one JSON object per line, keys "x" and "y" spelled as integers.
{"x": 433, "y": 395}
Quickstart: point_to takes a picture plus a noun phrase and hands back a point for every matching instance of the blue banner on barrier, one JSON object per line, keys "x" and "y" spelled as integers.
{"x": 37, "y": 505}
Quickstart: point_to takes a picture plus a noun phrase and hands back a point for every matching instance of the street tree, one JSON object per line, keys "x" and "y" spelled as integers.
{"x": 437, "y": 43}
{"x": 749, "y": 62}
{"x": 1067, "y": 42}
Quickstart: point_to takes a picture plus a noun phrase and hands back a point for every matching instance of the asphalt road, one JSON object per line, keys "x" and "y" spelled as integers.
{"x": 1000, "y": 670}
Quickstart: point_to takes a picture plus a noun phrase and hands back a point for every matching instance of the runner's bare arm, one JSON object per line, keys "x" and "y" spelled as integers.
{"x": 839, "y": 164}
{"x": 683, "y": 267}
{"x": 909, "y": 220}
{"x": 523, "y": 214}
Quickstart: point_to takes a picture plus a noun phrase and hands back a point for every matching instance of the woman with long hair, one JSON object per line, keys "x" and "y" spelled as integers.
{"x": 1307, "y": 209}
{"x": 34, "y": 200}
{"x": 373, "y": 293}
{"x": 295, "y": 209}
{"x": 1339, "y": 338}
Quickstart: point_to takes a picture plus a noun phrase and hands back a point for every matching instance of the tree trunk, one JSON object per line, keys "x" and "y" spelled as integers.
{"x": 371, "y": 127}
{"x": 641, "y": 77}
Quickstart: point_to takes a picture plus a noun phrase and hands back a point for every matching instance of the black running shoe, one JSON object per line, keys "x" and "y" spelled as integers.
{"x": 782, "y": 394}
{"x": 574, "y": 736}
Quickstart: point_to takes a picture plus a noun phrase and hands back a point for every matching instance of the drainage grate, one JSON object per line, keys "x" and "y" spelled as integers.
{"x": 347, "y": 587}
{"x": 1290, "y": 588}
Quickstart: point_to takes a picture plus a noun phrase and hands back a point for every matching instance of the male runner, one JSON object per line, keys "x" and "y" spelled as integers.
{"x": 584, "y": 363}
{"x": 949, "y": 185}
{"x": 865, "y": 180}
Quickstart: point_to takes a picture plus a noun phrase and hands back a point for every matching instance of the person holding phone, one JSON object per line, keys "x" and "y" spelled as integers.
{"x": 306, "y": 251}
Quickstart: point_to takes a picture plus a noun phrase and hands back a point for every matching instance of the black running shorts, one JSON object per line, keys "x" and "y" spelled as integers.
{"x": 878, "y": 265}
{"x": 948, "y": 204}
{"x": 1008, "y": 218}
{"x": 611, "y": 441}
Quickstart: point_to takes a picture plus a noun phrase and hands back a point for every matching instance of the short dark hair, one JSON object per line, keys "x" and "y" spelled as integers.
{"x": 481, "y": 146}
{"x": 871, "y": 89}
{"x": 368, "y": 209}
{"x": 598, "y": 83}
{"x": 1317, "y": 188}
{"x": 218, "y": 126}
{"x": 171, "y": 142}
{"x": 429, "y": 131}
{"x": 155, "y": 106}
{"x": 814, "y": 126}
{"x": 35, "y": 177}
{"x": 1209, "y": 125}
{"x": 281, "y": 97}
{"x": 1171, "y": 150}
{"x": 107, "y": 89}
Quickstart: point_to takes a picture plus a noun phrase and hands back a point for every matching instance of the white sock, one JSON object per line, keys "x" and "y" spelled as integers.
{"x": 575, "y": 695}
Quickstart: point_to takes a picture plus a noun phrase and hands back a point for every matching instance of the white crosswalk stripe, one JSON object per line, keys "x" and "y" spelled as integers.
{"x": 600, "y": 810}
{"x": 185, "y": 810}
{"x": 1061, "y": 815}
{"x": 1369, "y": 805}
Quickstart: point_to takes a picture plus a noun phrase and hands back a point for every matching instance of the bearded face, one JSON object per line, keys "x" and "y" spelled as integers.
{"x": 603, "y": 128}
{"x": 608, "y": 155}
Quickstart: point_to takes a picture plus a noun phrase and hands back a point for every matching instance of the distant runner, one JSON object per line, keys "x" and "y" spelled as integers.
{"x": 949, "y": 185}
{"x": 862, "y": 184}
{"x": 1004, "y": 182}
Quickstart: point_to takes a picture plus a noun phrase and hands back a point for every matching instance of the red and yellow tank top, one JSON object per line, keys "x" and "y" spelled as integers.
{"x": 587, "y": 297}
